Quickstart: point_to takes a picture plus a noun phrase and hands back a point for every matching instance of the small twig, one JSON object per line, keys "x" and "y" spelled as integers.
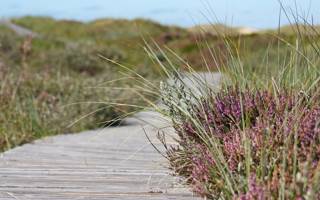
{"x": 145, "y": 132}
{"x": 11, "y": 195}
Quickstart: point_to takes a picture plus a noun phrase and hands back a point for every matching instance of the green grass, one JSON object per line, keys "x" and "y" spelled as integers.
{"x": 37, "y": 103}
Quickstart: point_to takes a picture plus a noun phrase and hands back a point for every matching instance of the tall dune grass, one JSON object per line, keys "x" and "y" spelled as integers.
{"x": 257, "y": 137}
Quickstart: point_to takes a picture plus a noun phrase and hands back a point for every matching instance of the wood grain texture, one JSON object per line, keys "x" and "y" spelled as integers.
{"x": 114, "y": 163}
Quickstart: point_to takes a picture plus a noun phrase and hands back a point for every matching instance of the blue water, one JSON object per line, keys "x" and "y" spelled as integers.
{"x": 252, "y": 13}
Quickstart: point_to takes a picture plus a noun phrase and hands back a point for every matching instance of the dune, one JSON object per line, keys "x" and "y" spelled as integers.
{"x": 247, "y": 30}
{"x": 221, "y": 29}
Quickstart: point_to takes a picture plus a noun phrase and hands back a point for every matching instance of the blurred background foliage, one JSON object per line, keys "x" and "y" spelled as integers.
{"x": 49, "y": 81}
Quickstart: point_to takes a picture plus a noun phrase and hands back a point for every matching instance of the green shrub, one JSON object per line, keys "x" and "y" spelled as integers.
{"x": 84, "y": 59}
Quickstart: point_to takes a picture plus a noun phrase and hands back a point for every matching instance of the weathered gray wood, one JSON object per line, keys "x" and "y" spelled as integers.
{"x": 114, "y": 163}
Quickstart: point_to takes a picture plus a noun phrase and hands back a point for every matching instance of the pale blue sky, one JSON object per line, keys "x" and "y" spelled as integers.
{"x": 253, "y": 13}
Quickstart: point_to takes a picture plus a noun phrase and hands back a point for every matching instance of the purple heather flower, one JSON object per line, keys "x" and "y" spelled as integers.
{"x": 269, "y": 121}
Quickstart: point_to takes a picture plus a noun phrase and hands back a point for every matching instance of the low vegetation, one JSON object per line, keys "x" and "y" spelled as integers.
{"x": 50, "y": 82}
{"x": 54, "y": 84}
{"x": 258, "y": 136}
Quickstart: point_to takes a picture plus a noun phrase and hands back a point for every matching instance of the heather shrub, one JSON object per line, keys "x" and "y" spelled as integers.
{"x": 257, "y": 137}
{"x": 248, "y": 144}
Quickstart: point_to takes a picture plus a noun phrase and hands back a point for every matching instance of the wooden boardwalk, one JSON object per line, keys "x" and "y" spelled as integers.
{"x": 19, "y": 30}
{"x": 115, "y": 163}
